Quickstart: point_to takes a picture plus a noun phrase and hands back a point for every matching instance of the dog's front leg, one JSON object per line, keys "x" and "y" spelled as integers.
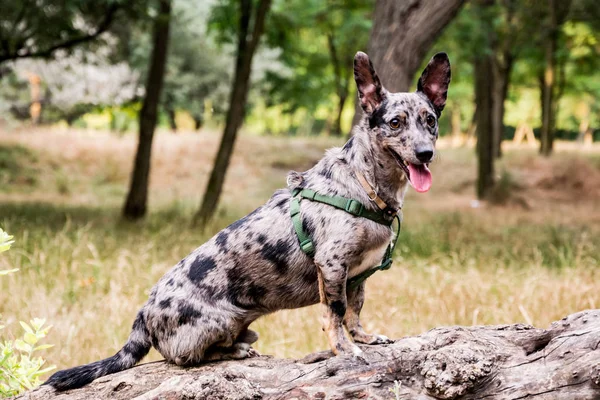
{"x": 356, "y": 299}
{"x": 332, "y": 291}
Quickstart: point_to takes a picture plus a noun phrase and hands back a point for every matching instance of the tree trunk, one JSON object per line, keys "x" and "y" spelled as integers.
{"x": 337, "y": 127}
{"x": 235, "y": 115}
{"x": 135, "y": 205}
{"x": 484, "y": 98}
{"x": 172, "y": 121}
{"x": 551, "y": 81}
{"x": 502, "y": 69}
{"x": 547, "y": 81}
{"x": 403, "y": 33}
{"x": 502, "y": 362}
{"x": 455, "y": 126}
{"x": 198, "y": 122}
{"x": 341, "y": 84}
{"x": 472, "y": 129}
{"x": 485, "y": 139}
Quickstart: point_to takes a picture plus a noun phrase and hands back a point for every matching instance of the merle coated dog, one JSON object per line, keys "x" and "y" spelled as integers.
{"x": 201, "y": 309}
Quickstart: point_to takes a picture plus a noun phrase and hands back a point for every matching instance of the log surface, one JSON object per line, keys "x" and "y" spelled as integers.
{"x": 480, "y": 362}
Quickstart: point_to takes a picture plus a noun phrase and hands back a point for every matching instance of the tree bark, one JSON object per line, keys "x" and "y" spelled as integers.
{"x": 550, "y": 87}
{"x": 172, "y": 121}
{"x": 455, "y": 124}
{"x": 505, "y": 362}
{"x": 137, "y": 199}
{"x": 247, "y": 45}
{"x": 502, "y": 69}
{"x": 547, "y": 81}
{"x": 341, "y": 83}
{"x": 403, "y": 33}
{"x": 484, "y": 98}
{"x": 198, "y": 122}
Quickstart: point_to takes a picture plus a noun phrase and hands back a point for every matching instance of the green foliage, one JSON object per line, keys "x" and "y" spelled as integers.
{"x": 6, "y": 241}
{"x": 195, "y": 69}
{"x": 20, "y": 366}
{"x": 318, "y": 40}
{"x": 37, "y": 28}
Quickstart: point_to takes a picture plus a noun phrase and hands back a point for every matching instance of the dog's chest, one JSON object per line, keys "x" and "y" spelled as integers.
{"x": 370, "y": 259}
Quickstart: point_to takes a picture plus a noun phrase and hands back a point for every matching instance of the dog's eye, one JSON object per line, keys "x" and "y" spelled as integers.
{"x": 395, "y": 123}
{"x": 430, "y": 121}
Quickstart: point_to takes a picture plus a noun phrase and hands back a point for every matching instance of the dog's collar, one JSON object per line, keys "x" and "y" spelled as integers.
{"x": 373, "y": 196}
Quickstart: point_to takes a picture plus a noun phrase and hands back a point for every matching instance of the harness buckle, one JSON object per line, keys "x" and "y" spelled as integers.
{"x": 307, "y": 247}
{"x": 389, "y": 213}
{"x": 354, "y": 207}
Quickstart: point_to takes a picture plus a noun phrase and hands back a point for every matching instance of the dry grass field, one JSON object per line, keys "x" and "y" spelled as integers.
{"x": 531, "y": 255}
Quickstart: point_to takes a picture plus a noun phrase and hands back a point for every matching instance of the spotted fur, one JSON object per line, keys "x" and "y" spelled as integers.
{"x": 201, "y": 309}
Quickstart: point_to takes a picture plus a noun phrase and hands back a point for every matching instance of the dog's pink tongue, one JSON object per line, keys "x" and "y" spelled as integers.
{"x": 420, "y": 177}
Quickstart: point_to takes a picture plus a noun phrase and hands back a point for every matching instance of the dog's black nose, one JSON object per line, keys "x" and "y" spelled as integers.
{"x": 424, "y": 154}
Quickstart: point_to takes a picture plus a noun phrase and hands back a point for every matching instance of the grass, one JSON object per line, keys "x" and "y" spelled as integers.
{"x": 88, "y": 273}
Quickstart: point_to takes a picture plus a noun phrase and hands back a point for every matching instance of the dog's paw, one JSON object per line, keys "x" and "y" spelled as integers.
{"x": 356, "y": 357}
{"x": 381, "y": 339}
{"x": 372, "y": 339}
{"x": 253, "y": 353}
{"x": 356, "y": 351}
{"x": 360, "y": 359}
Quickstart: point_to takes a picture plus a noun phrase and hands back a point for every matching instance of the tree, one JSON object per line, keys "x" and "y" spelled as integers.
{"x": 76, "y": 83}
{"x": 32, "y": 28}
{"x": 551, "y": 80}
{"x": 136, "y": 203}
{"x": 195, "y": 71}
{"x": 250, "y": 28}
{"x": 403, "y": 32}
{"x": 315, "y": 78}
{"x": 484, "y": 98}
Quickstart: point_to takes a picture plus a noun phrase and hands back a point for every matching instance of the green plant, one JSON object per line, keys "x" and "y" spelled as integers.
{"x": 5, "y": 242}
{"x": 20, "y": 370}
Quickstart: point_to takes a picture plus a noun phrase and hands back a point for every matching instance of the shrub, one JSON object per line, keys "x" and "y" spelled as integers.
{"x": 20, "y": 369}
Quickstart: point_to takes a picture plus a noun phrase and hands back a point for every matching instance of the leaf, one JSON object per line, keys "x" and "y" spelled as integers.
{"x": 43, "y": 371}
{"x": 43, "y": 347}
{"x": 26, "y": 327}
{"x": 37, "y": 323}
{"x": 30, "y": 338}
{"x": 7, "y": 271}
{"x": 21, "y": 345}
{"x": 5, "y": 241}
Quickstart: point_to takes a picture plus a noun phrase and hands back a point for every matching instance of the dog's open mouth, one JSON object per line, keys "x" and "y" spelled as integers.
{"x": 418, "y": 174}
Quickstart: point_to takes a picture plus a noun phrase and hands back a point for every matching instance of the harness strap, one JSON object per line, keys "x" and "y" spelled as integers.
{"x": 351, "y": 206}
{"x": 385, "y": 217}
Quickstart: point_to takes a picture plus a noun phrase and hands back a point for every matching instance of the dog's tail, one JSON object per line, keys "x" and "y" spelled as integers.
{"x": 135, "y": 349}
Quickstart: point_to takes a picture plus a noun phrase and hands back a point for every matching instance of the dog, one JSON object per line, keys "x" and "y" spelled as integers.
{"x": 202, "y": 308}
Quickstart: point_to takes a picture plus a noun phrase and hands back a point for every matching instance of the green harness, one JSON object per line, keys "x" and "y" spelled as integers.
{"x": 351, "y": 206}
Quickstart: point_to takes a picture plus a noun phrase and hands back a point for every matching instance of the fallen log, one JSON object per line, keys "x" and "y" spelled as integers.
{"x": 480, "y": 362}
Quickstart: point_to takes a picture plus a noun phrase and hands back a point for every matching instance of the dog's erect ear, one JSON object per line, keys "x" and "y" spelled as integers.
{"x": 434, "y": 81}
{"x": 370, "y": 91}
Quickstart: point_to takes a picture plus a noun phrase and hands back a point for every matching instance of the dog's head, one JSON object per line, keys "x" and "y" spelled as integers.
{"x": 404, "y": 126}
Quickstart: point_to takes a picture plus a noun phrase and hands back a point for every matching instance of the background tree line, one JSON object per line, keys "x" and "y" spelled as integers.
{"x": 285, "y": 68}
